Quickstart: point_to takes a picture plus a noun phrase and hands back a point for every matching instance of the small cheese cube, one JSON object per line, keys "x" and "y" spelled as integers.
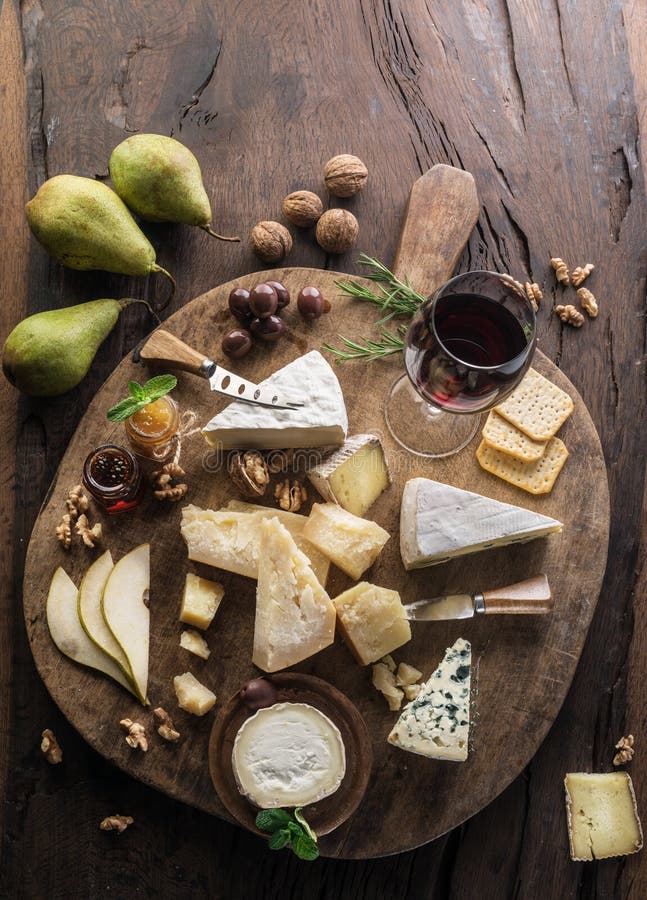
{"x": 602, "y": 815}
{"x": 351, "y": 543}
{"x": 200, "y": 601}
{"x": 407, "y": 675}
{"x": 193, "y": 696}
{"x": 372, "y": 621}
{"x": 354, "y": 476}
{"x": 193, "y": 642}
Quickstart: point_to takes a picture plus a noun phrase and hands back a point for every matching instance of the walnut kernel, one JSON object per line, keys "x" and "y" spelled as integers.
{"x": 50, "y": 748}
{"x": 90, "y": 536}
{"x": 64, "y": 532}
{"x": 165, "y": 727}
{"x": 588, "y": 301}
{"x": 534, "y": 294}
{"x": 625, "y": 748}
{"x": 345, "y": 175}
{"x": 271, "y": 241}
{"x": 116, "y": 823}
{"x": 77, "y": 501}
{"x": 570, "y": 315}
{"x": 561, "y": 270}
{"x": 302, "y": 208}
{"x": 291, "y": 495}
{"x": 337, "y": 230}
{"x": 135, "y": 734}
{"x": 580, "y": 273}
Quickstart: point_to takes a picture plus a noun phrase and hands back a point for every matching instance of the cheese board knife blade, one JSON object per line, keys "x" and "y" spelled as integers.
{"x": 532, "y": 596}
{"x": 163, "y": 347}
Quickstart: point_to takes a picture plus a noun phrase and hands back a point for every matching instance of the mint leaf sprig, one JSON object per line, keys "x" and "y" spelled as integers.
{"x": 141, "y": 396}
{"x": 289, "y": 830}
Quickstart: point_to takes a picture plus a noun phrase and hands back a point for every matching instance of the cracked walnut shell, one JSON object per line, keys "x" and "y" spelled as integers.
{"x": 249, "y": 473}
{"x": 345, "y": 175}
{"x": 337, "y": 231}
{"x": 271, "y": 241}
{"x": 302, "y": 208}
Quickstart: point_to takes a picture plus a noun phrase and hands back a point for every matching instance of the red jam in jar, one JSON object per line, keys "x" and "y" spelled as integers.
{"x": 113, "y": 476}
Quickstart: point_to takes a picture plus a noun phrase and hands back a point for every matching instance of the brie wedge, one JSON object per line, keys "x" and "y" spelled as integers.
{"x": 289, "y": 754}
{"x": 439, "y": 522}
{"x": 294, "y": 615}
{"x": 320, "y": 422}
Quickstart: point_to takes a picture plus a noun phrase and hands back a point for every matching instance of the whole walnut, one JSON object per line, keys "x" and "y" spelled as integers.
{"x": 302, "y": 208}
{"x": 271, "y": 241}
{"x": 337, "y": 230}
{"x": 345, "y": 175}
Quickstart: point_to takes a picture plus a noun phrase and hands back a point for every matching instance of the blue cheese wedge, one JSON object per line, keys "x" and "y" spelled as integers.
{"x": 288, "y": 754}
{"x": 439, "y": 522}
{"x": 436, "y": 723}
{"x": 321, "y": 421}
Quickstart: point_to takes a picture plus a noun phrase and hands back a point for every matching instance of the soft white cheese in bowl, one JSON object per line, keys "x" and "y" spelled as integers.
{"x": 289, "y": 754}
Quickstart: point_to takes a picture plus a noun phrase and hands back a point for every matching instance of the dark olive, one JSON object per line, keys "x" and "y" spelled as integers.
{"x": 258, "y": 693}
{"x": 237, "y": 342}
{"x": 263, "y": 300}
{"x": 282, "y": 292}
{"x": 239, "y": 304}
{"x": 269, "y": 329}
{"x": 311, "y": 303}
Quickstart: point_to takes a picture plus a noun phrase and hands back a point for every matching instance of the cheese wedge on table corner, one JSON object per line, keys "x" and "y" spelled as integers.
{"x": 321, "y": 421}
{"x": 439, "y": 522}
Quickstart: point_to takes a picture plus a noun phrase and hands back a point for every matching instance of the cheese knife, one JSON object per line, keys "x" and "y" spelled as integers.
{"x": 163, "y": 347}
{"x": 530, "y": 596}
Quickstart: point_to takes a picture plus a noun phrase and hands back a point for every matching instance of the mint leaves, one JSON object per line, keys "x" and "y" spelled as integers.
{"x": 141, "y": 396}
{"x": 289, "y": 831}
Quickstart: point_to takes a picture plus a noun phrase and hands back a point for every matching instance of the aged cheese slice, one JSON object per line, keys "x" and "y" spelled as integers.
{"x": 321, "y": 421}
{"x": 289, "y": 754}
{"x": 436, "y": 722}
{"x": 439, "y": 522}
{"x": 294, "y": 615}
{"x": 372, "y": 621}
{"x": 602, "y": 815}
{"x": 200, "y": 601}
{"x": 353, "y": 476}
{"x": 350, "y": 542}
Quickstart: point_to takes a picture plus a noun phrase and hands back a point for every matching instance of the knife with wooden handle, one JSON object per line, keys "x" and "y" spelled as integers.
{"x": 532, "y": 596}
{"x": 163, "y": 347}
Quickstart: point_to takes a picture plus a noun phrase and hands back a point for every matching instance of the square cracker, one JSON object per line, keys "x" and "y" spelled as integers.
{"x": 537, "y": 406}
{"x": 502, "y": 435}
{"x": 535, "y": 477}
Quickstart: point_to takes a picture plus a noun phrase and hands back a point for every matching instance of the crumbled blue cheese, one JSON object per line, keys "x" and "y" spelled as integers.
{"x": 436, "y": 722}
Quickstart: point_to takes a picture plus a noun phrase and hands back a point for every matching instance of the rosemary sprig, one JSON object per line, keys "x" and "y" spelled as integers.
{"x": 369, "y": 350}
{"x": 394, "y": 297}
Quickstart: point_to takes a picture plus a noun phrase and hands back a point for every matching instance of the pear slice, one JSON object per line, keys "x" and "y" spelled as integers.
{"x": 91, "y": 616}
{"x": 68, "y": 634}
{"x": 125, "y": 610}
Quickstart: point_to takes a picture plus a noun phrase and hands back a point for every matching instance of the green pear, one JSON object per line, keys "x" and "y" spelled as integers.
{"x": 160, "y": 180}
{"x": 50, "y": 352}
{"x": 85, "y": 225}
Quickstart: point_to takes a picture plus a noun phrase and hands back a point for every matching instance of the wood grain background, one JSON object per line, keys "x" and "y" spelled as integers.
{"x": 544, "y": 102}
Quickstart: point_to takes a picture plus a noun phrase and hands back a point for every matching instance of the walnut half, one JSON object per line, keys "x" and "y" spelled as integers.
{"x": 116, "y": 823}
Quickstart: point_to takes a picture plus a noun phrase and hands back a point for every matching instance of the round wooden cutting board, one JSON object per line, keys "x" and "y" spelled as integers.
{"x": 523, "y": 665}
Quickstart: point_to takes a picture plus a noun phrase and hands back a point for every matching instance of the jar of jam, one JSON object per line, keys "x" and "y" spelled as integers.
{"x": 114, "y": 478}
{"x": 152, "y": 430}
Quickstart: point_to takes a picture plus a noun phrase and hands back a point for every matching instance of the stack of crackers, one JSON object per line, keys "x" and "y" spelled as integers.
{"x": 519, "y": 443}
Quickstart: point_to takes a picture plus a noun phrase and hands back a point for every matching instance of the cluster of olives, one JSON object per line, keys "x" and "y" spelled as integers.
{"x": 258, "y": 312}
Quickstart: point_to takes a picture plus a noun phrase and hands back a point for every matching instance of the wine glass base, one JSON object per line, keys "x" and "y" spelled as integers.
{"x": 421, "y": 428}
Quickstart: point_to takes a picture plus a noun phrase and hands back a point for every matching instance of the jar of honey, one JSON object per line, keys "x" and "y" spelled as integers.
{"x": 152, "y": 429}
{"x": 114, "y": 478}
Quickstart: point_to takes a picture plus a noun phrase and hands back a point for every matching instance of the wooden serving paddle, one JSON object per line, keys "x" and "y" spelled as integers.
{"x": 442, "y": 211}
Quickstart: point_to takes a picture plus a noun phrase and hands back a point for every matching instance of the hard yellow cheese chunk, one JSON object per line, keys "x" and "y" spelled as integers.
{"x": 354, "y": 476}
{"x": 602, "y": 815}
{"x": 350, "y": 542}
{"x": 193, "y": 696}
{"x": 193, "y": 642}
{"x": 200, "y": 601}
{"x": 372, "y": 621}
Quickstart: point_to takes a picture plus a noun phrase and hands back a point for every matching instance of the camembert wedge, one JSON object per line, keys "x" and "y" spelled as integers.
{"x": 320, "y": 422}
{"x": 439, "y": 522}
{"x": 436, "y": 722}
{"x": 294, "y": 615}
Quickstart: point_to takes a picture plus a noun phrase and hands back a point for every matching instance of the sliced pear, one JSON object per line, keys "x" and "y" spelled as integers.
{"x": 91, "y": 616}
{"x": 125, "y": 610}
{"x": 68, "y": 634}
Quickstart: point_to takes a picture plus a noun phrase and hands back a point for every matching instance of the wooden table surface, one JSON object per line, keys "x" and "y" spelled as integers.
{"x": 544, "y": 102}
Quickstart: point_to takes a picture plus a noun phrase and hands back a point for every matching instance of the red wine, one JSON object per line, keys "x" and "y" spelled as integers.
{"x": 470, "y": 356}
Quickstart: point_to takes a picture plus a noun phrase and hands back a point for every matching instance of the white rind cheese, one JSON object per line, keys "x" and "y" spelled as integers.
{"x": 351, "y": 542}
{"x": 602, "y": 815}
{"x": 353, "y": 476}
{"x": 289, "y": 754}
{"x": 439, "y": 522}
{"x": 436, "y": 722}
{"x": 294, "y": 615}
{"x": 320, "y": 422}
{"x": 229, "y": 539}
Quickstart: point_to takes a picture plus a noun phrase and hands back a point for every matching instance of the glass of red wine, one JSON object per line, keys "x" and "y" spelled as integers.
{"x": 467, "y": 348}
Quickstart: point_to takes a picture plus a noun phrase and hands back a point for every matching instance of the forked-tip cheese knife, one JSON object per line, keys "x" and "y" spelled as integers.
{"x": 165, "y": 348}
{"x": 530, "y": 596}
